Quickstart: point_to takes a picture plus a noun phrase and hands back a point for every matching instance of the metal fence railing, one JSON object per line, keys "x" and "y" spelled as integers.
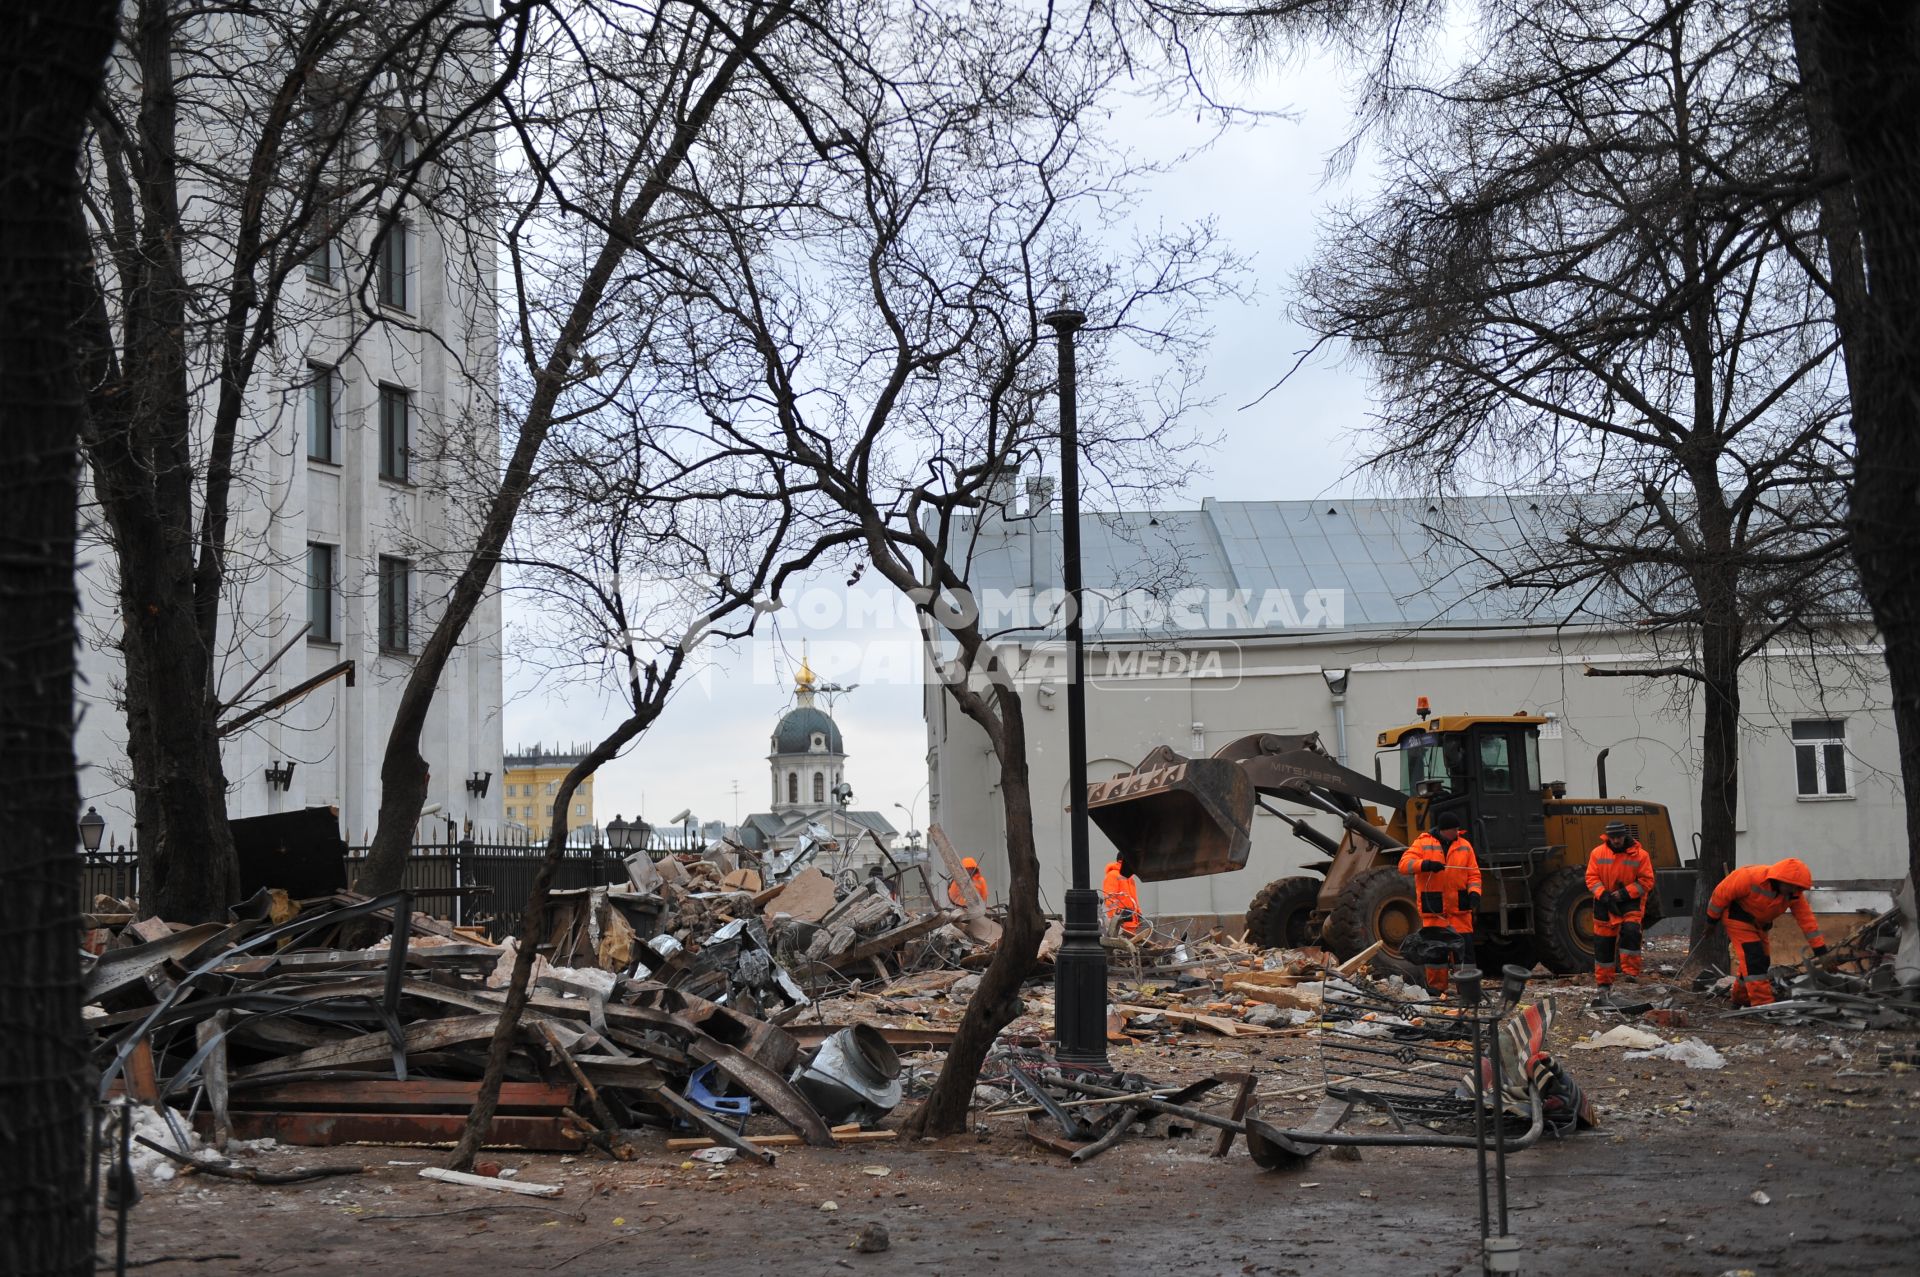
{"x": 469, "y": 883}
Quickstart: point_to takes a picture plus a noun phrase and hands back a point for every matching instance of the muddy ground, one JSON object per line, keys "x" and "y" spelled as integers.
{"x": 1663, "y": 1187}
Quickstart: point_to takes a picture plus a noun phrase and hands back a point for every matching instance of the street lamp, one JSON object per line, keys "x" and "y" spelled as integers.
{"x": 92, "y": 826}
{"x": 618, "y": 833}
{"x": 1080, "y": 966}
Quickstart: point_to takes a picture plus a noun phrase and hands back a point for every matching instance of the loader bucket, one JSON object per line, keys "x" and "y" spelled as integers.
{"x": 1182, "y": 820}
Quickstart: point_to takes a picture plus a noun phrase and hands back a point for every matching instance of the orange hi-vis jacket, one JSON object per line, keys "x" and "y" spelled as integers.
{"x": 959, "y": 897}
{"x": 1744, "y": 898}
{"x": 1443, "y": 895}
{"x": 1609, "y": 870}
{"x": 1120, "y": 893}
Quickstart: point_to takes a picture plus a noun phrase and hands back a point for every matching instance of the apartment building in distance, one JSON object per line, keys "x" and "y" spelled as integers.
{"x": 531, "y": 779}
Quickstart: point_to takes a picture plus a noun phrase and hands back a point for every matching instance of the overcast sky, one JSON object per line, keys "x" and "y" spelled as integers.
{"x": 1267, "y": 186}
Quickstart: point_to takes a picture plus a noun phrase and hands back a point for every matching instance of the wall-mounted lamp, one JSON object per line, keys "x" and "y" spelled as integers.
{"x": 478, "y": 782}
{"x": 280, "y": 776}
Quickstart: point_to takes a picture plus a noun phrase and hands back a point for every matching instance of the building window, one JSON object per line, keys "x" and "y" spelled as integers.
{"x": 396, "y": 433}
{"x": 819, "y": 787}
{"x": 323, "y": 264}
{"x": 390, "y": 255}
{"x": 793, "y": 787}
{"x": 1820, "y": 757}
{"x": 579, "y": 809}
{"x": 320, "y": 590}
{"x": 323, "y": 387}
{"x": 395, "y": 141}
{"x": 396, "y": 597}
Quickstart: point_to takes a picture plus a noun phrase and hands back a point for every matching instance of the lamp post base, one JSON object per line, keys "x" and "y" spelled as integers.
{"x": 1080, "y": 984}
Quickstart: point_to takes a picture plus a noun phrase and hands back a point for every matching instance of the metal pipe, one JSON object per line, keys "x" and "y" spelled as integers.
{"x": 1600, "y": 768}
{"x": 1340, "y": 728}
{"x": 1480, "y": 1129}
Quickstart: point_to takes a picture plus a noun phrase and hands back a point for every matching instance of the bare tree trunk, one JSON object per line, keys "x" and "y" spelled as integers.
{"x": 403, "y": 770}
{"x": 1719, "y": 768}
{"x": 533, "y": 930}
{"x": 1860, "y": 75}
{"x": 997, "y": 1001}
{"x": 144, "y": 476}
{"x": 52, "y": 57}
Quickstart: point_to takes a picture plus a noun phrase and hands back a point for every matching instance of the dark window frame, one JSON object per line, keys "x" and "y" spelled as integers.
{"x": 396, "y": 604}
{"x": 323, "y": 596}
{"x": 392, "y": 263}
{"x": 1820, "y": 758}
{"x": 323, "y": 437}
{"x": 396, "y": 436}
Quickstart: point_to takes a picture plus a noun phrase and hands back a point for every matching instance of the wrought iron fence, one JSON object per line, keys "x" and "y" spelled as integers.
{"x": 469, "y": 883}
{"x": 113, "y": 874}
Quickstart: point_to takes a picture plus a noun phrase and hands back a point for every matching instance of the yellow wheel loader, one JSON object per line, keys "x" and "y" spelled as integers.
{"x": 1178, "y": 817}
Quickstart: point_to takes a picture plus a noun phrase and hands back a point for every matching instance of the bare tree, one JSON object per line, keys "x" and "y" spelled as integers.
{"x": 628, "y": 575}
{"x": 1857, "y": 62}
{"x": 857, "y": 310}
{"x": 616, "y": 104}
{"x": 1584, "y": 279}
{"x": 52, "y": 60}
{"x": 236, "y": 155}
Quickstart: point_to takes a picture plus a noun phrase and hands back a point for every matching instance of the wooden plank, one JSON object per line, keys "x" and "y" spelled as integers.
{"x": 1219, "y": 1024}
{"x": 324, "y": 1130}
{"x": 139, "y": 1073}
{"x": 674, "y": 1102}
{"x": 213, "y": 1071}
{"x": 888, "y": 941}
{"x": 1361, "y": 959}
{"x": 841, "y": 1135}
{"x": 491, "y": 1185}
{"x": 416, "y": 1095}
{"x": 979, "y": 926}
{"x": 423, "y": 1035}
{"x": 913, "y": 1039}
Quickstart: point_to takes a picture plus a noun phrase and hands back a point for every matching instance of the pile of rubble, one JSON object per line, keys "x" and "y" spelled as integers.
{"x": 669, "y": 1004}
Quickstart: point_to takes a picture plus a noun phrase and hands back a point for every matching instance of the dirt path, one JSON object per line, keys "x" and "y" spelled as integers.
{"x": 1663, "y": 1188}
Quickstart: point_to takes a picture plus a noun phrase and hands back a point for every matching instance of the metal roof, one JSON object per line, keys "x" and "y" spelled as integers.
{"x": 1393, "y": 564}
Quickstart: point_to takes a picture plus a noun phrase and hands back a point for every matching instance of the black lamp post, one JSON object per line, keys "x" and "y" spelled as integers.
{"x": 92, "y": 826}
{"x": 1080, "y": 967}
{"x": 618, "y": 831}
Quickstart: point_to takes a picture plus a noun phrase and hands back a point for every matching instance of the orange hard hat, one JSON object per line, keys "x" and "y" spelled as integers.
{"x": 1792, "y": 870}
{"x": 968, "y": 862}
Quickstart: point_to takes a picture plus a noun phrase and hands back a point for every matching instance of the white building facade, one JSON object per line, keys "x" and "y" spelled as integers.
{"x": 1360, "y": 598}
{"x": 369, "y": 441}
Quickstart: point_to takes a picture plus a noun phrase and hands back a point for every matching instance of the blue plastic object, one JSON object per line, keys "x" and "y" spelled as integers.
{"x": 701, "y": 1093}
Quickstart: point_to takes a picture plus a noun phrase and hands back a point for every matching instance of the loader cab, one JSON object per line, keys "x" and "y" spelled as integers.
{"x": 1485, "y": 769}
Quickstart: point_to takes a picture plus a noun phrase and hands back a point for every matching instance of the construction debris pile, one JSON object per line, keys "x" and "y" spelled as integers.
{"x": 1856, "y": 985}
{"x": 656, "y": 1008}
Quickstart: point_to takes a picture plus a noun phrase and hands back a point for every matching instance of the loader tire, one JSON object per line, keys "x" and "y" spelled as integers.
{"x": 1281, "y": 915}
{"x": 1378, "y": 906}
{"x": 1563, "y": 923}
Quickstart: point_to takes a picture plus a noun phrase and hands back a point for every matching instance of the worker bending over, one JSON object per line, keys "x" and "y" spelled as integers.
{"x": 1120, "y": 893}
{"x": 979, "y": 879}
{"x": 1620, "y": 878}
{"x": 1748, "y": 900}
{"x": 1446, "y": 886}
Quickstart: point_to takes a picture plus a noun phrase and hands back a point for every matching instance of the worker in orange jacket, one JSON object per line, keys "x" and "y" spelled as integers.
{"x": 1748, "y": 901}
{"x": 1120, "y": 892}
{"x": 958, "y": 896}
{"x": 1446, "y": 887}
{"x": 1619, "y": 878}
